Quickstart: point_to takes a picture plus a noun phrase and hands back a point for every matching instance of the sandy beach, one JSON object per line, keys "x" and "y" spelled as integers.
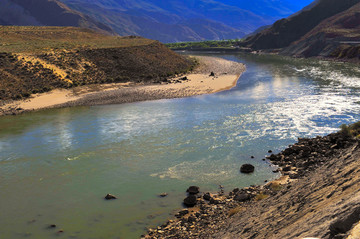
{"x": 198, "y": 82}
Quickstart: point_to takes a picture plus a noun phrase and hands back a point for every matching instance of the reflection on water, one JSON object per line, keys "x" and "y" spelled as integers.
{"x": 56, "y": 165}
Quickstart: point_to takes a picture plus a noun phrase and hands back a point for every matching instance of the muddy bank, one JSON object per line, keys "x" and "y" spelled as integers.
{"x": 317, "y": 196}
{"x": 212, "y": 75}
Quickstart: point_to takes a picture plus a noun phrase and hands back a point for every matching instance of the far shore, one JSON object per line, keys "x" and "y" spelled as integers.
{"x": 198, "y": 82}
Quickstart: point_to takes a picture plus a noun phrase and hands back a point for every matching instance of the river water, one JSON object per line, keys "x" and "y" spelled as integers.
{"x": 57, "y": 165}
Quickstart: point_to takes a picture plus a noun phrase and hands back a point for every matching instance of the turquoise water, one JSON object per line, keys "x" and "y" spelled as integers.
{"x": 57, "y": 165}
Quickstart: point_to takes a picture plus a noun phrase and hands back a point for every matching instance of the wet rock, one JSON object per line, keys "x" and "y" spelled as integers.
{"x": 247, "y": 168}
{"x": 182, "y": 213}
{"x": 193, "y": 190}
{"x": 270, "y": 151}
{"x": 207, "y": 196}
{"x": 252, "y": 157}
{"x": 162, "y": 195}
{"x": 110, "y": 197}
{"x": 52, "y": 226}
{"x": 190, "y": 201}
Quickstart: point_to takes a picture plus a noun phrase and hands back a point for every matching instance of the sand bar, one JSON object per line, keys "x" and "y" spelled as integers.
{"x": 198, "y": 82}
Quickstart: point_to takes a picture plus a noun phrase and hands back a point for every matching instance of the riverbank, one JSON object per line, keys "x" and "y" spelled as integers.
{"x": 317, "y": 196}
{"x": 199, "y": 81}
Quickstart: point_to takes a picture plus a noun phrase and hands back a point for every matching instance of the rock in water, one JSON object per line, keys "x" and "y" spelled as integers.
{"x": 110, "y": 196}
{"x": 193, "y": 190}
{"x": 190, "y": 201}
{"x": 247, "y": 168}
{"x": 163, "y": 195}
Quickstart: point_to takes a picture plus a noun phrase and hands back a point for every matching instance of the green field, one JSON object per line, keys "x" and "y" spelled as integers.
{"x": 205, "y": 44}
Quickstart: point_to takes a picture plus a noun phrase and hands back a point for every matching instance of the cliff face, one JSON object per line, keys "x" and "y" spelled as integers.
{"x": 337, "y": 36}
{"x": 326, "y": 28}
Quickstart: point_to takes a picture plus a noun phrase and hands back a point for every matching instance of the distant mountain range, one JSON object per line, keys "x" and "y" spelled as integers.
{"x": 45, "y": 13}
{"x": 325, "y": 28}
{"x": 167, "y": 21}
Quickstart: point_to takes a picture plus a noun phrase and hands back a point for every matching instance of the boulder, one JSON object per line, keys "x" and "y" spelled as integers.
{"x": 193, "y": 190}
{"x": 182, "y": 213}
{"x": 110, "y": 197}
{"x": 242, "y": 197}
{"x": 207, "y": 196}
{"x": 163, "y": 195}
{"x": 247, "y": 168}
{"x": 190, "y": 201}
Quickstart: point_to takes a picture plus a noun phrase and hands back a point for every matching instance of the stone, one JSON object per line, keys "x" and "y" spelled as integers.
{"x": 190, "y": 200}
{"x": 270, "y": 151}
{"x": 242, "y": 197}
{"x": 193, "y": 190}
{"x": 110, "y": 197}
{"x": 207, "y": 196}
{"x": 162, "y": 195}
{"x": 212, "y": 74}
{"x": 247, "y": 168}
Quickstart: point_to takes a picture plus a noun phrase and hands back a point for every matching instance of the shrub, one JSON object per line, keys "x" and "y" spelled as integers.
{"x": 261, "y": 196}
{"x": 235, "y": 210}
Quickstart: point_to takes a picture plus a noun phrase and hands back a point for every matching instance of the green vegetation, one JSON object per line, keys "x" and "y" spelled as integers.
{"x": 352, "y": 130}
{"x": 235, "y": 210}
{"x": 261, "y": 196}
{"x": 204, "y": 44}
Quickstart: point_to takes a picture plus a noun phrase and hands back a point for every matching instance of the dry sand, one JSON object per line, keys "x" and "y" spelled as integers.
{"x": 199, "y": 82}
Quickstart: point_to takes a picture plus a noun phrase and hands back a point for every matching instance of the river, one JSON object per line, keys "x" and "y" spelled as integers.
{"x": 57, "y": 165}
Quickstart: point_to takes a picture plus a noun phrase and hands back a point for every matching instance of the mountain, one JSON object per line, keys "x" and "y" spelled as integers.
{"x": 45, "y": 13}
{"x": 190, "y": 20}
{"x": 325, "y": 28}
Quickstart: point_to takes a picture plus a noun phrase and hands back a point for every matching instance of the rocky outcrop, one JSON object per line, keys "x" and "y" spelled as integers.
{"x": 317, "y": 196}
{"x": 327, "y": 28}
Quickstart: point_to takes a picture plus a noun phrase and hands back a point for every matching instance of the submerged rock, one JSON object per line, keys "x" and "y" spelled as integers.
{"x": 247, "y": 168}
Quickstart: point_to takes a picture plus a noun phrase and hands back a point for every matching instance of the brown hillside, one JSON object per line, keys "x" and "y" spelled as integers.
{"x": 337, "y": 36}
{"x": 46, "y": 13}
{"x": 79, "y": 57}
{"x": 286, "y": 31}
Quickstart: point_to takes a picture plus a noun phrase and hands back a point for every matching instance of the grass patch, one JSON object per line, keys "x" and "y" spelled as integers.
{"x": 275, "y": 186}
{"x": 352, "y": 130}
{"x": 235, "y": 210}
{"x": 205, "y": 44}
{"x": 261, "y": 196}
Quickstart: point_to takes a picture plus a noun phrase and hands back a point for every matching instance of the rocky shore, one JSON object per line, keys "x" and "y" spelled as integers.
{"x": 318, "y": 195}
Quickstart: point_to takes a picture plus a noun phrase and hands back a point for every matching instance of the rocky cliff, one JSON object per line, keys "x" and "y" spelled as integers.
{"x": 328, "y": 28}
